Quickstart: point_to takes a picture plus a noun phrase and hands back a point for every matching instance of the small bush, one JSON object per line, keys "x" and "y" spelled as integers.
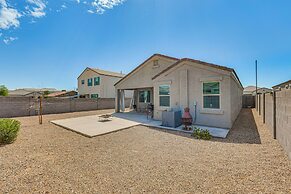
{"x": 8, "y": 130}
{"x": 3, "y": 91}
{"x": 201, "y": 134}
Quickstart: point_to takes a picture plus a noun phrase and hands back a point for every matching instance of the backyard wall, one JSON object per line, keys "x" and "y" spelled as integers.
{"x": 278, "y": 121}
{"x": 28, "y": 106}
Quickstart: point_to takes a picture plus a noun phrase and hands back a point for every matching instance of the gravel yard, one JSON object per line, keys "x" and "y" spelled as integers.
{"x": 50, "y": 159}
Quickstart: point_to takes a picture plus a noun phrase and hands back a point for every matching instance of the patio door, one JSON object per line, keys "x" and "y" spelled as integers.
{"x": 144, "y": 98}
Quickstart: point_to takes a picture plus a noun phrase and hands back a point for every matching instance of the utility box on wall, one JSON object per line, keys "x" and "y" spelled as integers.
{"x": 171, "y": 118}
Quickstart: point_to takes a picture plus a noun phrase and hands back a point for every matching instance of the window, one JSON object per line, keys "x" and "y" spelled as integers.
{"x": 94, "y": 95}
{"x": 90, "y": 82}
{"x": 145, "y": 96}
{"x": 164, "y": 94}
{"x": 83, "y": 82}
{"x": 211, "y": 95}
{"x": 96, "y": 81}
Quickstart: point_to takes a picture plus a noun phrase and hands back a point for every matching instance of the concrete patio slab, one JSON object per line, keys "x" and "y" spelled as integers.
{"x": 91, "y": 126}
{"x": 143, "y": 120}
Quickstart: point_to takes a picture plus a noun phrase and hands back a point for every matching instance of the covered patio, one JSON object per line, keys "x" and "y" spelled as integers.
{"x": 142, "y": 97}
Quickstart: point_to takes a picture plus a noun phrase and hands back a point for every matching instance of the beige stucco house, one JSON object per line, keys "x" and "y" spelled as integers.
{"x": 212, "y": 92}
{"x": 97, "y": 83}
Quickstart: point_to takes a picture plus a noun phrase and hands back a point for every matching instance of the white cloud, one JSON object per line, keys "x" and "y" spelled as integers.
{"x": 8, "y": 16}
{"x": 8, "y": 40}
{"x": 100, "y": 6}
{"x": 38, "y": 8}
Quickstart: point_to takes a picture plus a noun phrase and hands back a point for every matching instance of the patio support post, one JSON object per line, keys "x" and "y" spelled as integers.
{"x": 117, "y": 100}
{"x": 122, "y": 100}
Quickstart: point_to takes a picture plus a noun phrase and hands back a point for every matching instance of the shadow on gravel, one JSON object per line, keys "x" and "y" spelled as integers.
{"x": 244, "y": 130}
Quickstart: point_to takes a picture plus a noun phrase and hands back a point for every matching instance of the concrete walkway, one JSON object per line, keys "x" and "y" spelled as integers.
{"x": 91, "y": 126}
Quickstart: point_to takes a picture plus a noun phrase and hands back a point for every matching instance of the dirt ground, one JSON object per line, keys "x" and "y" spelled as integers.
{"x": 50, "y": 159}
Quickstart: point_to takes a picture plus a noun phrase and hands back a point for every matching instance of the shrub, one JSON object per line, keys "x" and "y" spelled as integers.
{"x": 201, "y": 133}
{"x": 3, "y": 91}
{"x": 8, "y": 130}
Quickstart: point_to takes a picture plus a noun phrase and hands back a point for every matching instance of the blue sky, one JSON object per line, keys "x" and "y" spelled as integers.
{"x": 50, "y": 42}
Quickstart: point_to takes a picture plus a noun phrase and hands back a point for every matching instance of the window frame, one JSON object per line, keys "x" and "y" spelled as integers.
{"x": 95, "y": 79}
{"x": 219, "y": 95}
{"x": 161, "y": 95}
{"x": 91, "y": 82}
{"x": 82, "y": 81}
{"x": 97, "y": 96}
{"x": 149, "y": 92}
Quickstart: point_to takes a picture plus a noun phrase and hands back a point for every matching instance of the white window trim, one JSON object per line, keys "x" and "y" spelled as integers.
{"x": 165, "y": 95}
{"x": 214, "y": 109}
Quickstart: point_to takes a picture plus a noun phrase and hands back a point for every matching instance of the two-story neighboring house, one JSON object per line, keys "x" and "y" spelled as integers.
{"x": 97, "y": 83}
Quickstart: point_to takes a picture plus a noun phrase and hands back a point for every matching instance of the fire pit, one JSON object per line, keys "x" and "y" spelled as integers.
{"x": 105, "y": 118}
{"x": 187, "y": 120}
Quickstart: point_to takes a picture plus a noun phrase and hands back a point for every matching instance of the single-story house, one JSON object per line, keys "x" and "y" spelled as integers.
{"x": 212, "y": 92}
{"x": 98, "y": 83}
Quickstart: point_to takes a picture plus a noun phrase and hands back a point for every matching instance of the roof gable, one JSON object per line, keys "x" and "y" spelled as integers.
{"x": 143, "y": 64}
{"x": 103, "y": 72}
{"x": 202, "y": 63}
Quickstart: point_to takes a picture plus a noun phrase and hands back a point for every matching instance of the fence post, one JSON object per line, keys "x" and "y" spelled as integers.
{"x": 257, "y": 97}
{"x": 259, "y": 104}
{"x": 264, "y": 105}
{"x": 274, "y": 115}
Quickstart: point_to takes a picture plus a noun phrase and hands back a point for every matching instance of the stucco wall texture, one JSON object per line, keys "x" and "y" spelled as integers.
{"x": 186, "y": 89}
{"x": 106, "y": 88}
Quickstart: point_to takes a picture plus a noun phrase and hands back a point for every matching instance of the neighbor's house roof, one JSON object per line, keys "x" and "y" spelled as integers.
{"x": 179, "y": 61}
{"x": 28, "y": 91}
{"x": 249, "y": 89}
{"x": 284, "y": 84}
{"x": 263, "y": 90}
{"x": 57, "y": 94}
{"x": 104, "y": 72}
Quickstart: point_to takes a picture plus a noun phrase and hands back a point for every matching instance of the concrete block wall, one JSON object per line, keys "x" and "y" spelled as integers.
{"x": 14, "y": 107}
{"x": 269, "y": 111}
{"x": 27, "y": 106}
{"x": 283, "y": 116}
{"x": 283, "y": 119}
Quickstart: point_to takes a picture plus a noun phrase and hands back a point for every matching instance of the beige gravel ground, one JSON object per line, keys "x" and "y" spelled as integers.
{"x": 50, "y": 159}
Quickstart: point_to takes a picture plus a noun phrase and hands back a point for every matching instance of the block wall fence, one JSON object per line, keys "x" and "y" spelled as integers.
{"x": 28, "y": 106}
{"x": 275, "y": 111}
